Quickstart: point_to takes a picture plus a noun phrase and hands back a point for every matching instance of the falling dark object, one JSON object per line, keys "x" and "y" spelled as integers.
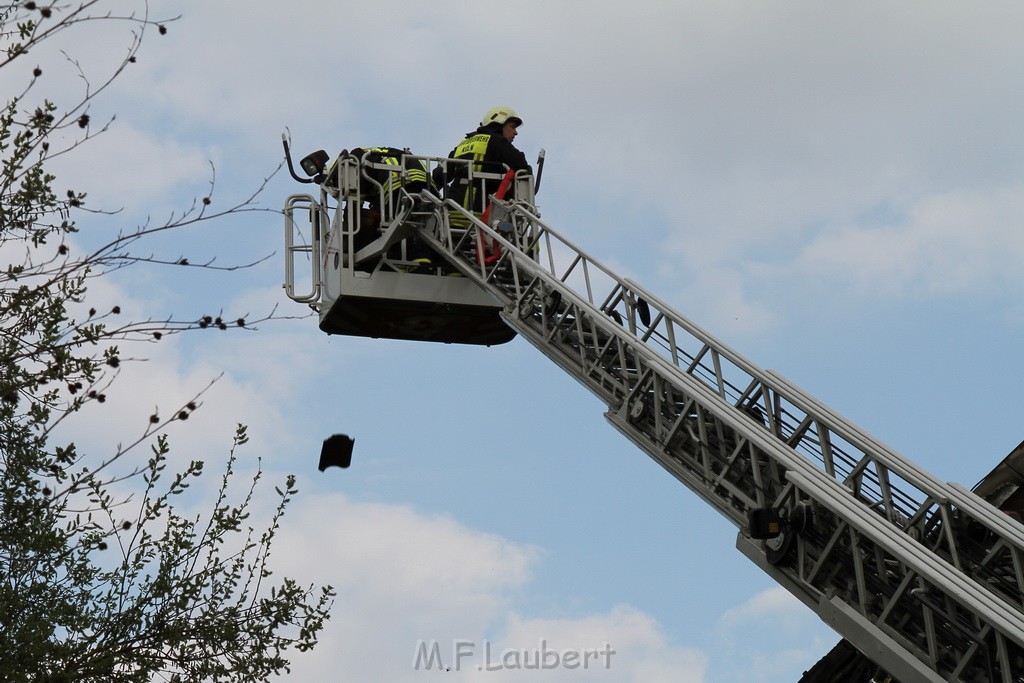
{"x": 336, "y": 451}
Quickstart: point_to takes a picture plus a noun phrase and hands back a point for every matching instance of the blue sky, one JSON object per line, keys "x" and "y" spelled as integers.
{"x": 833, "y": 189}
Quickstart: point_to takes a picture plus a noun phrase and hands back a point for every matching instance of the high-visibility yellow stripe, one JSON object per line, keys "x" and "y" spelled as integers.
{"x": 473, "y": 147}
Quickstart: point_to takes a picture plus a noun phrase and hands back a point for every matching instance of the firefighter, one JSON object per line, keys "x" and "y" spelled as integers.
{"x": 383, "y": 194}
{"x": 491, "y": 150}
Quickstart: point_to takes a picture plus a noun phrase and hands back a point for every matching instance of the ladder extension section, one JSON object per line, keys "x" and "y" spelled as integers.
{"x": 922, "y": 576}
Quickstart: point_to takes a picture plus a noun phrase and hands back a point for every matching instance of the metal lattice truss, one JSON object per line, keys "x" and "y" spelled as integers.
{"x": 922, "y": 576}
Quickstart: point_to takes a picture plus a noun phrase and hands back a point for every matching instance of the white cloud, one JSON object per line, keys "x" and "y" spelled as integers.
{"x": 718, "y": 300}
{"x": 403, "y": 577}
{"x": 788, "y": 637}
{"x": 126, "y": 167}
{"x": 771, "y": 603}
{"x": 636, "y": 646}
{"x": 400, "y": 576}
{"x": 947, "y": 244}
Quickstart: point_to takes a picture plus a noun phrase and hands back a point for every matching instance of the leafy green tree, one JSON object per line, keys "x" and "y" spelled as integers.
{"x": 101, "y": 578}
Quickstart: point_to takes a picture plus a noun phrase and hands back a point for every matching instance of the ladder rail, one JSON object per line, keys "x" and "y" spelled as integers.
{"x": 293, "y": 247}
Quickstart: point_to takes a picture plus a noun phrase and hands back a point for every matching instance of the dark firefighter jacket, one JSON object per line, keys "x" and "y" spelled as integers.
{"x": 492, "y": 153}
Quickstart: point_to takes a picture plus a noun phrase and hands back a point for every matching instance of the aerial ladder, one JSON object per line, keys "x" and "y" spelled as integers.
{"x": 923, "y": 578}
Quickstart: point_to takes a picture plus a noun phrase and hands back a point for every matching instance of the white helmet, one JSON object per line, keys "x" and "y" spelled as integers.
{"x": 501, "y": 115}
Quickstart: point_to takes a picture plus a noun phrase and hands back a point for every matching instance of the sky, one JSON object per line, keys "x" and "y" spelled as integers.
{"x": 833, "y": 189}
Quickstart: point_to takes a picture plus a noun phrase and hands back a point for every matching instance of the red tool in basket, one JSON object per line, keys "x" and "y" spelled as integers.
{"x": 495, "y": 250}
